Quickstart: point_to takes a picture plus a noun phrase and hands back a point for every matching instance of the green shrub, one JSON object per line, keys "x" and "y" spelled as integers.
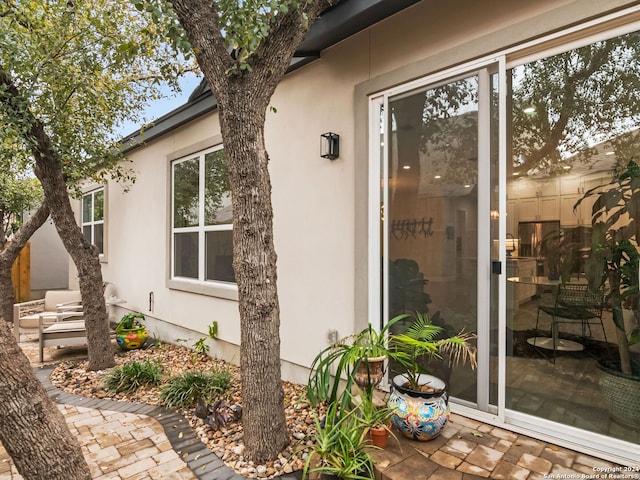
{"x": 132, "y": 375}
{"x": 183, "y": 390}
{"x": 201, "y": 346}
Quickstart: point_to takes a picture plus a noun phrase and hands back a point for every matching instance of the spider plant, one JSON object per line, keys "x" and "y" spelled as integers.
{"x": 340, "y": 446}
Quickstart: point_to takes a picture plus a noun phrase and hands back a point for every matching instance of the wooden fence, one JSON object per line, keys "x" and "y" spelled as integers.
{"x": 21, "y": 275}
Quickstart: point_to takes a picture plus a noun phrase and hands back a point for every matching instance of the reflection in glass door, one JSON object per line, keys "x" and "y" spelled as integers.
{"x": 538, "y": 216}
{"x": 430, "y": 179}
{"x": 571, "y": 136}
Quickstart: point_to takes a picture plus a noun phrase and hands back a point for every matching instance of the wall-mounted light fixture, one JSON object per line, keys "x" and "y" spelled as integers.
{"x": 330, "y": 145}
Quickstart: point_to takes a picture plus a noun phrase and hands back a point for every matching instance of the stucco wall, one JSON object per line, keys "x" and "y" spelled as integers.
{"x": 49, "y": 263}
{"x": 320, "y": 206}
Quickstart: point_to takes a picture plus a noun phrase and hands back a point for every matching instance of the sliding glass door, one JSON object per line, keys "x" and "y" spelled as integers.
{"x": 492, "y": 206}
{"x": 435, "y": 159}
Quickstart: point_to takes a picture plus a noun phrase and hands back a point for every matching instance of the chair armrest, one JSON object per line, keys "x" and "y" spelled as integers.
{"x": 30, "y": 303}
{"x": 68, "y": 305}
{"x": 58, "y": 316}
{"x": 20, "y": 309}
{"x": 62, "y": 317}
{"x": 69, "y": 308}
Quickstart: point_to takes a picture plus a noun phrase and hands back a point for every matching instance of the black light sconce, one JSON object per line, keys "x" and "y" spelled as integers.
{"x": 330, "y": 145}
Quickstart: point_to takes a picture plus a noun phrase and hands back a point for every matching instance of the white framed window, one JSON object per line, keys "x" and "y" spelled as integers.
{"x": 201, "y": 223}
{"x": 93, "y": 218}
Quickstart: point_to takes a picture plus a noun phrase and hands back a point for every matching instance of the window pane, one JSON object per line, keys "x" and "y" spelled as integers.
{"x": 186, "y": 181}
{"x": 186, "y": 255}
{"x": 86, "y": 208}
{"x": 217, "y": 207}
{"x": 574, "y": 124}
{"x": 219, "y": 252}
{"x": 98, "y": 233}
{"x": 432, "y": 214}
{"x": 86, "y": 231}
{"x": 98, "y": 205}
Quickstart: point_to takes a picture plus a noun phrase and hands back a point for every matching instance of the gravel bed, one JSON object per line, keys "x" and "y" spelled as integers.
{"x": 226, "y": 442}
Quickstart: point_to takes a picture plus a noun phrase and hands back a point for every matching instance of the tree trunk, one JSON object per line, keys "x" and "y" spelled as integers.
{"x": 48, "y": 169}
{"x": 85, "y": 256}
{"x": 32, "y": 429}
{"x": 8, "y": 257}
{"x": 243, "y": 96}
{"x": 254, "y": 264}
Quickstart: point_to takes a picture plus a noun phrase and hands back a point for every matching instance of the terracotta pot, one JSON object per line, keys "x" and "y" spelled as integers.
{"x": 370, "y": 371}
{"x": 379, "y": 436}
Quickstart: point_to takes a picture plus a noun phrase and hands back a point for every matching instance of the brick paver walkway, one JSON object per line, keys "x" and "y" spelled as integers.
{"x": 468, "y": 450}
{"x": 129, "y": 441}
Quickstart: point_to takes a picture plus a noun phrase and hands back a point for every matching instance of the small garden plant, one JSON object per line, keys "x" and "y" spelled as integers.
{"x": 130, "y": 321}
{"x": 132, "y": 375}
{"x": 183, "y": 390}
{"x": 201, "y": 347}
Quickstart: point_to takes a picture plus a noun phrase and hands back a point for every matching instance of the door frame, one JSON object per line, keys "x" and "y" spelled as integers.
{"x": 378, "y": 197}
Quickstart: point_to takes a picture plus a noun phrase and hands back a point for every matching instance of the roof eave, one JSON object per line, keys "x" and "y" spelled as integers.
{"x": 341, "y": 21}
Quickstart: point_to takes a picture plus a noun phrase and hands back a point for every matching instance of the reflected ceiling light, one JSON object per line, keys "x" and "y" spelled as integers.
{"x": 610, "y": 153}
{"x": 515, "y": 174}
{"x": 437, "y": 176}
{"x": 529, "y": 109}
{"x": 567, "y": 167}
{"x": 467, "y": 186}
{"x": 406, "y": 167}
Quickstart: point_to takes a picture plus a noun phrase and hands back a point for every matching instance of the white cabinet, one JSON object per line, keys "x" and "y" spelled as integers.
{"x": 518, "y": 293}
{"x": 573, "y": 189}
{"x": 537, "y": 200}
{"x": 538, "y": 209}
{"x": 580, "y": 216}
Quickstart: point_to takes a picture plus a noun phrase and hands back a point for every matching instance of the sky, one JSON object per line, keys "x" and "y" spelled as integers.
{"x": 165, "y": 105}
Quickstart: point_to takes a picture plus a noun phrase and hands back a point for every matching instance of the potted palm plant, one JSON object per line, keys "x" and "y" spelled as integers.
{"x": 418, "y": 399}
{"x": 614, "y": 263}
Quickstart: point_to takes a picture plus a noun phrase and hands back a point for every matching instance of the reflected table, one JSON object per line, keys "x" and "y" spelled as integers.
{"x": 548, "y": 342}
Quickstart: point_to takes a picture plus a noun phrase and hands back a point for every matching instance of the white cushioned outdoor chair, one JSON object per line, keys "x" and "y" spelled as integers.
{"x": 57, "y": 305}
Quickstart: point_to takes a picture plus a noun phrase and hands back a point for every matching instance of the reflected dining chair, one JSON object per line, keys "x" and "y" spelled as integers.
{"x": 575, "y": 303}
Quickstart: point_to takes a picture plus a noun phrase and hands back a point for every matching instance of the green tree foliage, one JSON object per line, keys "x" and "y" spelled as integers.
{"x": 577, "y": 99}
{"x": 82, "y": 69}
{"x": 18, "y": 193}
{"x": 71, "y": 73}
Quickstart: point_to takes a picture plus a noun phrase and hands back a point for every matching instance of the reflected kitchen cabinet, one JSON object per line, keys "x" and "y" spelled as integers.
{"x": 538, "y": 209}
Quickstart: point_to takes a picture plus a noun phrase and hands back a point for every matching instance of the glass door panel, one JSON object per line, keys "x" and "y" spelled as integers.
{"x": 574, "y": 120}
{"x": 431, "y": 212}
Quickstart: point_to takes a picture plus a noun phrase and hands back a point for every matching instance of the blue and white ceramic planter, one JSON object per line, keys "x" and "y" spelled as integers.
{"x": 419, "y": 415}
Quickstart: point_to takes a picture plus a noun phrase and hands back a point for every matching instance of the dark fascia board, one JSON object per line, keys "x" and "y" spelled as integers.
{"x": 195, "y": 108}
{"x": 337, "y": 23}
{"x": 347, "y": 18}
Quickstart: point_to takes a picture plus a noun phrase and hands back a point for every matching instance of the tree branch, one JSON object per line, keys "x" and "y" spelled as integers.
{"x": 284, "y": 37}
{"x": 201, "y": 20}
{"x": 25, "y": 232}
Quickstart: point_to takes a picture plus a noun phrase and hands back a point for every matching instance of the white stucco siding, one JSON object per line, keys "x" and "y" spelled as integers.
{"x": 430, "y": 27}
{"x": 139, "y": 241}
{"x": 318, "y": 217}
{"x": 313, "y": 200}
